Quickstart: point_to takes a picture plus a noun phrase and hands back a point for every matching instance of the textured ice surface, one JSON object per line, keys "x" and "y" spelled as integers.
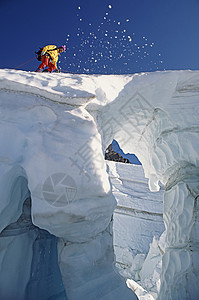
{"x": 51, "y": 151}
{"x": 138, "y": 225}
{"x": 54, "y": 129}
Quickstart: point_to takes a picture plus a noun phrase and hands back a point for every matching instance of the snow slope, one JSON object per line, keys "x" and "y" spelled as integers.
{"x": 54, "y": 131}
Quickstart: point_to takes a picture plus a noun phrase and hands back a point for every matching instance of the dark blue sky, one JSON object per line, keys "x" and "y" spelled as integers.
{"x": 115, "y": 36}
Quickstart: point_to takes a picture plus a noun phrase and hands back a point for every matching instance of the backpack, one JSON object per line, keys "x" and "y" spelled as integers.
{"x": 38, "y": 54}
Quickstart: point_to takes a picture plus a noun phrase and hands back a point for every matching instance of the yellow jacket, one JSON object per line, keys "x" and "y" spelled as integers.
{"x": 53, "y": 51}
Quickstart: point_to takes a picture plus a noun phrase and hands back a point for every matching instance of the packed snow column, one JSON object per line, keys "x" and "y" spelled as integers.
{"x": 156, "y": 117}
{"x": 46, "y": 131}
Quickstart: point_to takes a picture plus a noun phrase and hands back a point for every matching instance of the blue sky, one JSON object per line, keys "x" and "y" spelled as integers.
{"x": 115, "y": 36}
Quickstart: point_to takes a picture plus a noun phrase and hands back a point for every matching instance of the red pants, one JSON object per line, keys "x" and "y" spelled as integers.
{"x": 46, "y": 63}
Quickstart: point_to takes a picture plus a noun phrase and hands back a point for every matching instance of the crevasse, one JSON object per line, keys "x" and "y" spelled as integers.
{"x": 54, "y": 131}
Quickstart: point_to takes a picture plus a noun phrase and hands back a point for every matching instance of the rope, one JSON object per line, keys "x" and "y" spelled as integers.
{"x": 24, "y": 63}
{"x": 63, "y": 71}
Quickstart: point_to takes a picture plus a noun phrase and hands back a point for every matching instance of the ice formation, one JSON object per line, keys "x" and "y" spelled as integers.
{"x": 54, "y": 130}
{"x": 138, "y": 227}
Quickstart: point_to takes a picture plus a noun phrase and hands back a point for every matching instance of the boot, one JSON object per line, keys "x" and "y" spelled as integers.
{"x": 39, "y": 70}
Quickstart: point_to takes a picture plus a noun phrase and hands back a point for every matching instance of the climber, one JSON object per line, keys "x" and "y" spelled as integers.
{"x": 49, "y": 57}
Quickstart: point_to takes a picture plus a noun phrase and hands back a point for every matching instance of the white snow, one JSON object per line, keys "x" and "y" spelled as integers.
{"x": 84, "y": 47}
{"x": 138, "y": 225}
{"x": 54, "y": 130}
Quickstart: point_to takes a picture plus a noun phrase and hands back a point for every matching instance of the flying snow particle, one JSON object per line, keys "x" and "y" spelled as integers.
{"x": 110, "y": 6}
{"x": 79, "y": 7}
{"x": 127, "y": 20}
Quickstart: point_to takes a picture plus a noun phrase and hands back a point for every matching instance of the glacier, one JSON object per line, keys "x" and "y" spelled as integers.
{"x": 57, "y": 199}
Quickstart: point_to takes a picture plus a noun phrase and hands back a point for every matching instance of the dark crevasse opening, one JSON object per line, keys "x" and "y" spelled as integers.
{"x": 29, "y": 268}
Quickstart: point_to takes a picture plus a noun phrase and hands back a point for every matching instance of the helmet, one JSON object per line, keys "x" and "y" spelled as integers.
{"x": 63, "y": 48}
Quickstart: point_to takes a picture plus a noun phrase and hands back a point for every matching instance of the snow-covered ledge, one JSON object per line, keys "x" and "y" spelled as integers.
{"x": 156, "y": 116}
{"x": 49, "y": 139}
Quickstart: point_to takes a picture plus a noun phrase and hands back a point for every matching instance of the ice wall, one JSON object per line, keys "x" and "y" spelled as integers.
{"x": 156, "y": 117}
{"x": 137, "y": 226}
{"x": 51, "y": 151}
